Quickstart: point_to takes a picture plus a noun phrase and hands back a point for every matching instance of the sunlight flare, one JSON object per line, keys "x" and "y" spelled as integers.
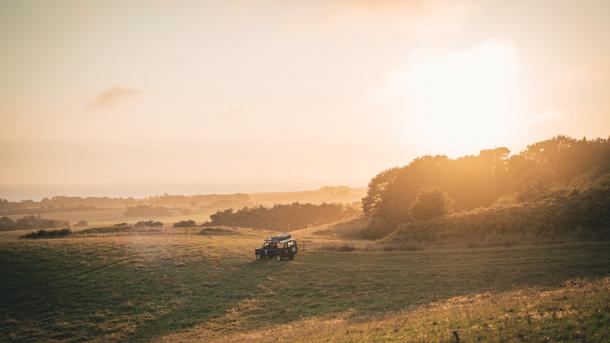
{"x": 463, "y": 99}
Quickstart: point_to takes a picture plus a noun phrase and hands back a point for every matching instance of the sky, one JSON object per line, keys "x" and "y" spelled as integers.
{"x": 223, "y": 96}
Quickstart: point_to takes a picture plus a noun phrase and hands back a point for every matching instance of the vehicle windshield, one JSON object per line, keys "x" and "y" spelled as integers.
{"x": 270, "y": 245}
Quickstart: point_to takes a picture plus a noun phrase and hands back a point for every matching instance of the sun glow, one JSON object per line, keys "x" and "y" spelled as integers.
{"x": 461, "y": 101}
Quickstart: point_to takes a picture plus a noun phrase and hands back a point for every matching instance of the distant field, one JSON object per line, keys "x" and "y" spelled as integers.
{"x": 113, "y": 216}
{"x": 98, "y": 217}
{"x": 108, "y": 216}
{"x": 184, "y": 286}
{"x": 104, "y": 215}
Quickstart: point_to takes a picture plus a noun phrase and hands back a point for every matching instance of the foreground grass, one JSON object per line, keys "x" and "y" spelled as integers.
{"x": 577, "y": 312}
{"x": 180, "y": 287}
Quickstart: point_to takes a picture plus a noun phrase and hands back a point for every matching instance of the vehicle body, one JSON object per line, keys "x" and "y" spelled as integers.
{"x": 278, "y": 247}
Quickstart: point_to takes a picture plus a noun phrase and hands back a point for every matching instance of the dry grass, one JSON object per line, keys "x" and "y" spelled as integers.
{"x": 578, "y": 311}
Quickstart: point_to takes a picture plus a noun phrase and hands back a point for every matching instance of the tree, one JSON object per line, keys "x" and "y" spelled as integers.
{"x": 185, "y": 223}
{"x": 149, "y": 223}
{"x": 430, "y": 203}
{"x": 283, "y": 216}
{"x": 376, "y": 189}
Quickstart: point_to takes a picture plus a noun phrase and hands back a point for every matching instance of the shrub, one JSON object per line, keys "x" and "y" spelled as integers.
{"x": 121, "y": 227}
{"x": 185, "y": 223}
{"x": 376, "y": 229}
{"x": 430, "y": 203}
{"x": 149, "y": 223}
{"x": 48, "y": 234}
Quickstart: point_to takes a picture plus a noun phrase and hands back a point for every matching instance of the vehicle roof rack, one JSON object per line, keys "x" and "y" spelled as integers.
{"x": 279, "y": 238}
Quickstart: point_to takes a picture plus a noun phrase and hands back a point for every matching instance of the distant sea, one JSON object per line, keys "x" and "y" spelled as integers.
{"x": 14, "y": 192}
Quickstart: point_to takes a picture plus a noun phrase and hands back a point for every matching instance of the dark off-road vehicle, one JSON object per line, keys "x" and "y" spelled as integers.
{"x": 280, "y": 246}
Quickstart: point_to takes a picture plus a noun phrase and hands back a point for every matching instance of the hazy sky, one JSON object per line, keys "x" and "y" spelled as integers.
{"x": 288, "y": 94}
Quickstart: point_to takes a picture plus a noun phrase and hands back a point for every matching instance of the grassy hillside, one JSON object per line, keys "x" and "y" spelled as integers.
{"x": 404, "y": 194}
{"x": 558, "y": 216}
{"x": 188, "y": 286}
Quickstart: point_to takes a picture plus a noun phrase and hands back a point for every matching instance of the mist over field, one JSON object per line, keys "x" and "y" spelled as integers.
{"x": 328, "y": 171}
{"x": 19, "y": 192}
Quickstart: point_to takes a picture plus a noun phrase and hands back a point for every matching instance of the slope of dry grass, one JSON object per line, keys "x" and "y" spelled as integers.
{"x": 577, "y": 311}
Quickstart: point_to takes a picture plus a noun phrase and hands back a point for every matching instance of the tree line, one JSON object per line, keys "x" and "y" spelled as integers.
{"x": 283, "y": 217}
{"x": 154, "y": 211}
{"x": 77, "y": 203}
{"x": 431, "y": 186}
{"x": 30, "y": 222}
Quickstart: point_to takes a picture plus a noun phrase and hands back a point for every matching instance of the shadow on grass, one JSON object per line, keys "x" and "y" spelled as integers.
{"x": 210, "y": 300}
{"x": 330, "y": 282}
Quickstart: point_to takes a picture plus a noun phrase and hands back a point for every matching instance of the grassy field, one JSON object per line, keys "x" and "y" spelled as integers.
{"x": 182, "y": 286}
{"x": 576, "y": 312}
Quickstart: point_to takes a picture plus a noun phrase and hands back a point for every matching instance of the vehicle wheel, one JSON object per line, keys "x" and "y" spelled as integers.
{"x": 278, "y": 258}
{"x": 258, "y": 256}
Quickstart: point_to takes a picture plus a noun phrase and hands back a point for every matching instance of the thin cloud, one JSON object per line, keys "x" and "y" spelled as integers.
{"x": 113, "y": 98}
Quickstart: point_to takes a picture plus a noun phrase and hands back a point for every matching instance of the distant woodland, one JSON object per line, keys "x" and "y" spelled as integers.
{"x": 84, "y": 210}
{"x": 30, "y": 222}
{"x": 284, "y": 217}
{"x": 168, "y": 204}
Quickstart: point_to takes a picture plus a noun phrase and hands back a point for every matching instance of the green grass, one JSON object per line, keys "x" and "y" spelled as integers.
{"x": 141, "y": 287}
{"x": 576, "y": 312}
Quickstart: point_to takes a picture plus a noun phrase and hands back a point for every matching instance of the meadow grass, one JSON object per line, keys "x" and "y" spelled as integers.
{"x": 189, "y": 286}
{"x": 578, "y": 311}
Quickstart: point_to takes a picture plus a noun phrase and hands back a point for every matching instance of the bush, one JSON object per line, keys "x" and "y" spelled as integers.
{"x": 121, "y": 227}
{"x": 48, "y": 234}
{"x": 149, "y": 223}
{"x": 185, "y": 223}
{"x": 430, "y": 203}
{"x": 376, "y": 229}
